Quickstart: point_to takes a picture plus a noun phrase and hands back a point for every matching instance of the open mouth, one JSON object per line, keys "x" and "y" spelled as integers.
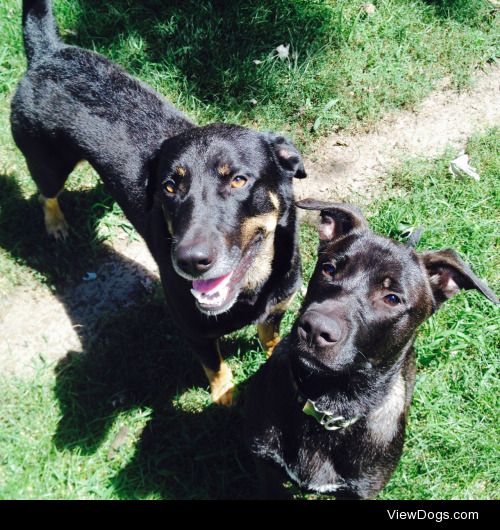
{"x": 217, "y": 295}
{"x": 214, "y": 293}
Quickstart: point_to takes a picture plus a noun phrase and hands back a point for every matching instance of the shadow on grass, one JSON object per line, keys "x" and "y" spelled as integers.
{"x": 190, "y": 456}
{"x": 463, "y": 11}
{"x": 22, "y": 231}
{"x": 138, "y": 361}
{"x": 132, "y": 358}
{"x": 210, "y": 46}
{"x": 206, "y": 49}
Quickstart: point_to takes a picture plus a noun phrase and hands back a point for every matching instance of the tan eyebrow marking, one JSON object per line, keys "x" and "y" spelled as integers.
{"x": 387, "y": 283}
{"x": 180, "y": 171}
{"x": 224, "y": 170}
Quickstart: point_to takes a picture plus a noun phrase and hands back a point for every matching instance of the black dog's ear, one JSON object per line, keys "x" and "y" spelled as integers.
{"x": 448, "y": 274}
{"x": 336, "y": 219}
{"x": 151, "y": 181}
{"x": 287, "y": 156}
{"x": 154, "y": 170}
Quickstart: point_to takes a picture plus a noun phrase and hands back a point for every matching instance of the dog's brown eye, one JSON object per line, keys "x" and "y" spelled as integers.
{"x": 238, "y": 181}
{"x": 392, "y": 299}
{"x": 329, "y": 269}
{"x": 170, "y": 186}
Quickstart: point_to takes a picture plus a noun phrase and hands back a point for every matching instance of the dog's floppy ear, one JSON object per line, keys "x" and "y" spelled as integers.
{"x": 154, "y": 169}
{"x": 336, "y": 219}
{"x": 286, "y": 156}
{"x": 448, "y": 274}
{"x": 151, "y": 181}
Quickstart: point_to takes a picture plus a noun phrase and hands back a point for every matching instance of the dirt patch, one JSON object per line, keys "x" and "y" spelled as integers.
{"x": 345, "y": 166}
{"x": 39, "y": 325}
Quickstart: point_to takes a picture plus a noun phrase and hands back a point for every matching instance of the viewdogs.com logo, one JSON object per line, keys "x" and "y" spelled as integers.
{"x": 418, "y": 515}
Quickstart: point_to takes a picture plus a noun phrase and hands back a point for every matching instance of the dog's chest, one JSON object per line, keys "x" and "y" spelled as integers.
{"x": 308, "y": 466}
{"x": 315, "y": 471}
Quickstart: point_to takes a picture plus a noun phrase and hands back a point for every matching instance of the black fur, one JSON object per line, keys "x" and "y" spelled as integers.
{"x": 74, "y": 105}
{"x": 351, "y": 352}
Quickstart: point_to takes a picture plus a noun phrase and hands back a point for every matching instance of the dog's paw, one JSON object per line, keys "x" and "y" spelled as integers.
{"x": 58, "y": 229}
{"x": 55, "y": 223}
{"x": 227, "y": 398}
{"x": 222, "y": 386}
{"x": 270, "y": 345}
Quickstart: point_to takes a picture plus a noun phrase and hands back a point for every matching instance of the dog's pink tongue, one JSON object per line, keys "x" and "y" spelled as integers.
{"x": 204, "y": 286}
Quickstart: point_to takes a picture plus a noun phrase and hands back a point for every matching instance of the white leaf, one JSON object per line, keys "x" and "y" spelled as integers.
{"x": 460, "y": 167}
{"x": 283, "y": 51}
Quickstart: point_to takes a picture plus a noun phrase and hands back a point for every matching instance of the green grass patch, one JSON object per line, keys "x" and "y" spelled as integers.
{"x": 131, "y": 418}
{"x": 217, "y": 60}
{"x": 452, "y": 443}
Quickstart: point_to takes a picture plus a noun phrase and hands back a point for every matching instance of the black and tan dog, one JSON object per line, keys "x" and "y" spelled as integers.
{"x": 213, "y": 203}
{"x": 329, "y": 408}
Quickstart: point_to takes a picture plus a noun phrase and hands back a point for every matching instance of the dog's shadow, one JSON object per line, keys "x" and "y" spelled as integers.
{"x": 132, "y": 358}
{"x": 179, "y": 453}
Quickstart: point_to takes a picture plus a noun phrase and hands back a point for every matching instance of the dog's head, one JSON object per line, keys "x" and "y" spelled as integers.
{"x": 368, "y": 294}
{"x": 224, "y": 191}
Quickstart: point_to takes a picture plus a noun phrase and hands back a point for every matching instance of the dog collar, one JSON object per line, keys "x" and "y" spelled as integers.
{"x": 327, "y": 419}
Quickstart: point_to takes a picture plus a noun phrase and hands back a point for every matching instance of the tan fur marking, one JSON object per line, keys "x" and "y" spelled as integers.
{"x": 224, "y": 170}
{"x": 274, "y": 200}
{"x": 180, "y": 171}
{"x": 383, "y": 421}
{"x": 222, "y": 387}
{"x": 269, "y": 337}
{"x": 282, "y": 306}
{"x": 55, "y": 223}
{"x": 387, "y": 283}
{"x": 269, "y": 332}
{"x": 170, "y": 227}
{"x": 261, "y": 266}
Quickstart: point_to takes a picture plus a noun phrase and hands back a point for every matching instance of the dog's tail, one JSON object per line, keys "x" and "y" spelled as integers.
{"x": 39, "y": 29}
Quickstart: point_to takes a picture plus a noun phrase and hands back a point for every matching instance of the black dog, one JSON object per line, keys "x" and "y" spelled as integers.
{"x": 213, "y": 203}
{"x": 329, "y": 408}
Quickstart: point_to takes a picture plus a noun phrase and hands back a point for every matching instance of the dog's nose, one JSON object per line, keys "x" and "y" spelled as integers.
{"x": 195, "y": 258}
{"x": 319, "y": 330}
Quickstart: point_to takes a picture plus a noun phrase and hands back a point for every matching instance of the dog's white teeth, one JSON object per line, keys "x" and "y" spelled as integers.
{"x": 211, "y": 299}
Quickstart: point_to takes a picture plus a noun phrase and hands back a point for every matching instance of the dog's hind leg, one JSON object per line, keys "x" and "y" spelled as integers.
{"x": 219, "y": 374}
{"x": 50, "y": 170}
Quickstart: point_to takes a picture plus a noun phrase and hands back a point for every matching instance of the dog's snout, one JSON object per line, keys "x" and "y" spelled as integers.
{"x": 319, "y": 330}
{"x": 195, "y": 257}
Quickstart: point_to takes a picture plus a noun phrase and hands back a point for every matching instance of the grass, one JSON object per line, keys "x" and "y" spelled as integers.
{"x": 59, "y": 427}
{"x": 452, "y": 444}
{"x": 218, "y": 61}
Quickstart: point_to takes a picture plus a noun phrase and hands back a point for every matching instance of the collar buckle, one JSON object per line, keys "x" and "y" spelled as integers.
{"x": 327, "y": 419}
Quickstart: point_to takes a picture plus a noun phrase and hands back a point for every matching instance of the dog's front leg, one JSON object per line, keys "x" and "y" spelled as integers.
{"x": 269, "y": 330}
{"x": 218, "y": 372}
{"x": 269, "y": 333}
